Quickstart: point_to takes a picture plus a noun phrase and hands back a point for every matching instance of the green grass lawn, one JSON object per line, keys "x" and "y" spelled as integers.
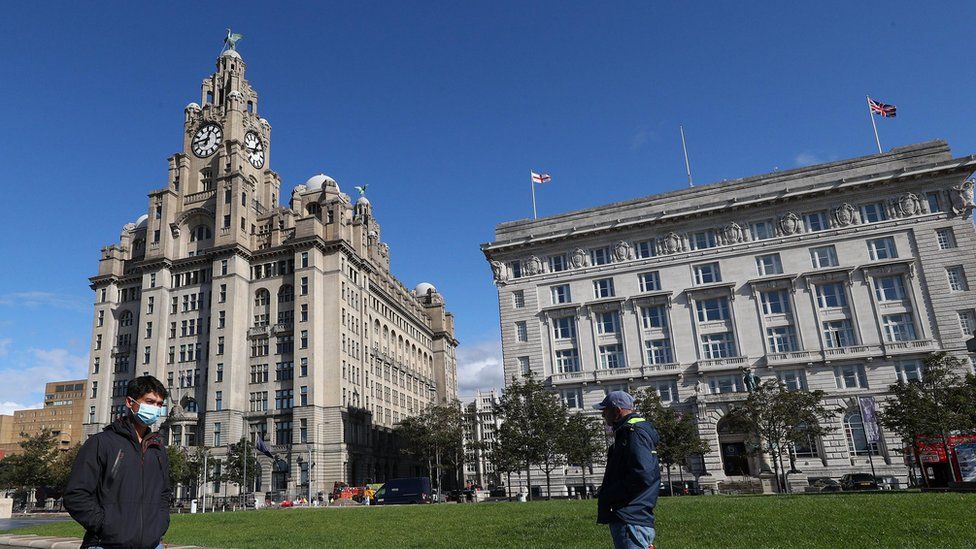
{"x": 841, "y": 520}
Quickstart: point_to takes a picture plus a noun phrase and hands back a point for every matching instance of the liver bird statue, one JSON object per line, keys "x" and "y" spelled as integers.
{"x": 230, "y": 42}
{"x": 361, "y": 189}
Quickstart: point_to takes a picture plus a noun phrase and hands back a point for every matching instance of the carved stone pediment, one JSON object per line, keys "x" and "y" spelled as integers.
{"x": 731, "y": 233}
{"x": 578, "y": 258}
{"x": 533, "y": 266}
{"x": 622, "y": 251}
{"x": 671, "y": 243}
{"x": 907, "y": 205}
{"x": 789, "y": 224}
{"x": 844, "y": 215}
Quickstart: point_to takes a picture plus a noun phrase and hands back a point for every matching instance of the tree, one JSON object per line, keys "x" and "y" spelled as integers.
{"x": 533, "y": 421}
{"x": 61, "y": 465}
{"x": 505, "y": 460}
{"x": 939, "y": 403}
{"x": 679, "y": 438}
{"x": 240, "y": 461}
{"x": 435, "y": 436}
{"x": 779, "y": 418}
{"x": 33, "y": 467}
{"x": 584, "y": 444}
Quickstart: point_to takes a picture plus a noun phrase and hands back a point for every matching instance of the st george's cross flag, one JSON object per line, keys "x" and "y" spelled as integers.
{"x": 886, "y": 111}
{"x": 540, "y": 177}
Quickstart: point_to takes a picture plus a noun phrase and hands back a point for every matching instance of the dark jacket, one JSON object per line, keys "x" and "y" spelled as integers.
{"x": 119, "y": 490}
{"x": 632, "y": 478}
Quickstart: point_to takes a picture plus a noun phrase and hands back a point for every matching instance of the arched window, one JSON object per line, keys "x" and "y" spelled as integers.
{"x": 857, "y": 441}
{"x": 250, "y": 106}
{"x": 200, "y": 232}
{"x": 125, "y": 319}
{"x": 262, "y": 298}
{"x": 286, "y": 294}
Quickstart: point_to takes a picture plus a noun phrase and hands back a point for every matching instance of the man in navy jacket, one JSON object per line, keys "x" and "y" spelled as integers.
{"x": 632, "y": 478}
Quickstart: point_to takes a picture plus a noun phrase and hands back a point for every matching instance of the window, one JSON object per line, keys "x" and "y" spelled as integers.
{"x": 304, "y": 259}
{"x": 857, "y": 440}
{"x": 816, "y": 221}
{"x": 762, "y": 230}
{"x": 889, "y": 288}
{"x": 148, "y": 330}
{"x": 725, "y": 384}
{"x": 560, "y": 294}
{"x": 221, "y": 319}
{"x": 806, "y": 447}
{"x": 220, "y": 373}
{"x": 283, "y": 432}
{"x": 303, "y": 372}
{"x": 653, "y": 316}
{"x": 101, "y": 318}
{"x": 957, "y": 278}
{"x": 769, "y": 265}
{"x": 304, "y": 286}
{"x": 850, "y": 377}
{"x": 226, "y": 224}
{"x": 608, "y": 323}
{"x": 304, "y": 396}
{"x": 284, "y": 399}
{"x": 775, "y": 302}
{"x": 935, "y": 204}
{"x": 219, "y": 401}
{"x": 222, "y": 295}
{"x": 564, "y": 328}
{"x": 518, "y": 299}
{"x": 658, "y": 351}
{"x": 303, "y": 313}
{"x": 223, "y": 266}
{"x": 94, "y": 389}
{"x": 645, "y": 249}
{"x": 712, "y": 309}
{"x": 303, "y": 339}
{"x": 98, "y": 342}
{"x": 838, "y": 333}
{"x": 220, "y": 345}
{"x": 558, "y": 263}
{"x": 824, "y": 256}
{"x": 967, "y": 322}
{"x": 898, "y": 327}
{"x": 947, "y": 239}
{"x": 603, "y": 288}
{"x": 521, "y": 331}
{"x": 782, "y": 339}
{"x": 146, "y": 354}
{"x": 216, "y": 432}
{"x": 523, "y": 365}
{"x": 611, "y": 356}
{"x": 882, "y": 248}
{"x": 715, "y": 346}
{"x": 649, "y": 282}
{"x": 873, "y": 213}
{"x": 567, "y": 360}
{"x": 702, "y": 240}
{"x": 515, "y": 268}
{"x": 600, "y": 256}
{"x": 707, "y": 273}
{"x": 793, "y": 380}
{"x": 909, "y": 371}
{"x": 572, "y": 398}
{"x": 150, "y": 305}
{"x": 831, "y": 295}
{"x": 667, "y": 391}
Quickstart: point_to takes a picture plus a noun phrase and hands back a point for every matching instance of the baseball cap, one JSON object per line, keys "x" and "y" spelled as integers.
{"x": 616, "y": 399}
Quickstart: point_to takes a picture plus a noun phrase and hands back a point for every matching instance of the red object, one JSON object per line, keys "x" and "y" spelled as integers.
{"x": 886, "y": 111}
{"x": 932, "y": 451}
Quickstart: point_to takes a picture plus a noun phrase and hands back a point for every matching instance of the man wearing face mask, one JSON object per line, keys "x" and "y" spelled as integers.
{"x": 632, "y": 477}
{"x": 119, "y": 487}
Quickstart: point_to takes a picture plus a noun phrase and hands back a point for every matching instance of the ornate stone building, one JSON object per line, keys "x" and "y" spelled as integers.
{"x": 264, "y": 319}
{"x": 840, "y": 276}
{"x": 481, "y": 426}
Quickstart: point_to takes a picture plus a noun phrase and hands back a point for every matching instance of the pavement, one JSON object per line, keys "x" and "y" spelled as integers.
{"x": 21, "y": 521}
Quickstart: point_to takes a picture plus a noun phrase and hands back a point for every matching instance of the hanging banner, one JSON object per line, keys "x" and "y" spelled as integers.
{"x": 869, "y": 416}
{"x": 966, "y": 457}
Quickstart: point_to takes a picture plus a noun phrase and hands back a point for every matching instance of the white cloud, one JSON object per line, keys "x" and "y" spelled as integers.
{"x": 480, "y": 367}
{"x": 8, "y": 408}
{"x": 25, "y": 373}
{"x": 43, "y": 299}
{"x": 5, "y": 346}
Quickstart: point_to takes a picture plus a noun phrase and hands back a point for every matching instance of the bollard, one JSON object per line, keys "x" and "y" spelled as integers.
{"x": 193, "y": 506}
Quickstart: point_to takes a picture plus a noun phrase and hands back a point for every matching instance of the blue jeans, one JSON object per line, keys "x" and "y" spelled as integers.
{"x": 631, "y": 536}
{"x": 160, "y": 546}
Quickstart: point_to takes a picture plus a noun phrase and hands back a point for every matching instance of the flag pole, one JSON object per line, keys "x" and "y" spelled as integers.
{"x": 874, "y": 125}
{"x": 687, "y": 164}
{"x": 532, "y": 184}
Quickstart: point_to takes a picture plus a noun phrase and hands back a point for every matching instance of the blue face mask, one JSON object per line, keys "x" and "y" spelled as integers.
{"x": 148, "y": 414}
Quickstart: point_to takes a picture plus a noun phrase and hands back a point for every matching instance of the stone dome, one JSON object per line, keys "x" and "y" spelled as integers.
{"x": 142, "y": 221}
{"x": 230, "y": 53}
{"x": 316, "y": 182}
{"x": 192, "y": 107}
{"x": 362, "y": 201}
{"x": 423, "y": 288}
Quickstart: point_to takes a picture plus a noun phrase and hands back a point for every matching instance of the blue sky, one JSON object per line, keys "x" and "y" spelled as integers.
{"x": 442, "y": 109}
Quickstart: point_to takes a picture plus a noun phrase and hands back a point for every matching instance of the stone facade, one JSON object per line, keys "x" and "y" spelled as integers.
{"x": 264, "y": 319}
{"x": 840, "y": 277}
{"x": 480, "y": 431}
{"x": 62, "y": 414}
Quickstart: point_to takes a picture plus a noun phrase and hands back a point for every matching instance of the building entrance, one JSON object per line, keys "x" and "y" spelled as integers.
{"x": 735, "y": 462}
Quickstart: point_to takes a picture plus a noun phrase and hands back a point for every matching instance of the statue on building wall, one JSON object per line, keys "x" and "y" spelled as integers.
{"x": 749, "y": 379}
{"x": 699, "y": 387}
{"x": 498, "y": 270}
{"x": 844, "y": 215}
{"x": 578, "y": 258}
{"x": 961, "y": 197}
{"x": 622, "y": 251}
{"x": 533, "y": 266}
{"x": 789, "y": 223}
{"x": 731, "y": 233}
{"x": 671, "y": 244}
{"x": 908, "y": 205}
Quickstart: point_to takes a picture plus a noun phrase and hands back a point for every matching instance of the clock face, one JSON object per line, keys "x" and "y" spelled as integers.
{"x": 206, "y": 140}
{"x": 254, "y": 149}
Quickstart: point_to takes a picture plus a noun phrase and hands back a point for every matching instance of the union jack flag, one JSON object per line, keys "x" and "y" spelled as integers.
{"x": 886, "y": 111}
{"x": 540, "y": 177}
